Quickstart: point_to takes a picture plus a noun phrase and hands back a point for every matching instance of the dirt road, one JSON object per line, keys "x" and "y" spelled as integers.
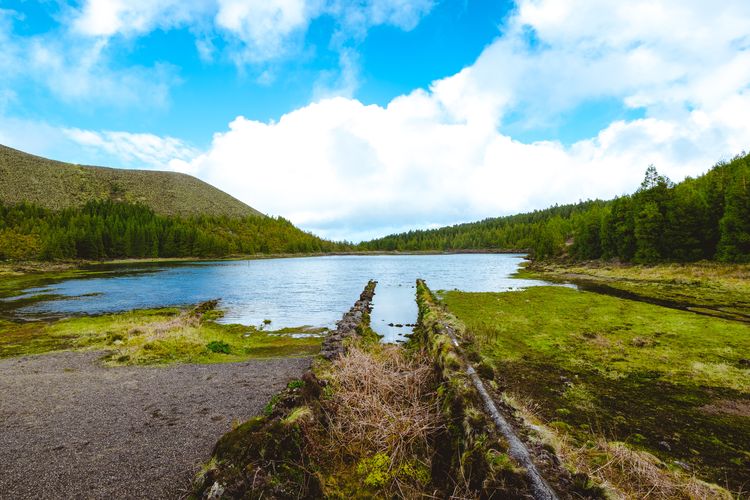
{"x": 71, "y": 428}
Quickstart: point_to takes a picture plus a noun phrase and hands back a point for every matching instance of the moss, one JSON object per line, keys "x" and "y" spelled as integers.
{"x": 722, "y": 290}
{"x": 378, "y": 472}
{"x": 414, "y": 472}
{"x": 268, "y": 409}
{"x": 597, "y": 363}
{"x": 375, "y": 470}
{"x": 468, "y": 451}
{"x": 154, "y": 336}
{"x": 485, "y": 370}
{"x": 295, "y": 384}
{"x": 298, "y": 415}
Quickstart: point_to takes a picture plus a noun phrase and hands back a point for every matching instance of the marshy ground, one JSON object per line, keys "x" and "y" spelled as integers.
{"x": 598, "y": 368}
{"x": 635, "y": 390}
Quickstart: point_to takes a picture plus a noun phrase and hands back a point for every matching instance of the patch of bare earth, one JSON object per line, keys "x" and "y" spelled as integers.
{"x": 737, "y": 408}
{"x": 72, "y": 428}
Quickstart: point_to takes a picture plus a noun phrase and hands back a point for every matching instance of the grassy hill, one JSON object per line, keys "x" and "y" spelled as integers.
{"x": 57, "y": 185}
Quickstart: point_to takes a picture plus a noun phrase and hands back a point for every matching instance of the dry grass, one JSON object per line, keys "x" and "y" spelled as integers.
{"x": 623, "y": 471}
{"x": 641, "y": 475}
{"x": 383, "y": 405}
{"x": 157, "y": 330}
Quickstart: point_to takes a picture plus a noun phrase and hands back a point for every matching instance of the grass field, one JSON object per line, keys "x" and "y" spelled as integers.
{"x": 721, "y": 290}
{"x": 156, "y": 336}
{"x": 671, "y": 382}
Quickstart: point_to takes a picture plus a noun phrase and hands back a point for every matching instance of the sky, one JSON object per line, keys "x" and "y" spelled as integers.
{"x": 355, "y": 119}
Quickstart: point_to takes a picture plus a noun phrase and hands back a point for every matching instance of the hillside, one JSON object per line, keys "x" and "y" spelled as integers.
{"x": 703, "y": 218}
{"x": 56, "y": 185}
{"x": 51, "y": 210}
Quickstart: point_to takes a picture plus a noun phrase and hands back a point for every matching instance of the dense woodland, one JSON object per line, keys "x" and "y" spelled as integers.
{"x": 107, "y": 230}
{"x": 703, "y": 218}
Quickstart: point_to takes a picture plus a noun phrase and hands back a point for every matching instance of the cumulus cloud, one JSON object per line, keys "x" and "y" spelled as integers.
{"x": 436, "y": 156}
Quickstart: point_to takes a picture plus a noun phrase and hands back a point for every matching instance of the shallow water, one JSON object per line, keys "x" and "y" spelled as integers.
{"x": 312, "y": 291}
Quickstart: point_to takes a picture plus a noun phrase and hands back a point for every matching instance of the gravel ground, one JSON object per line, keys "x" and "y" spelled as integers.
{"x": 71, "y": 428}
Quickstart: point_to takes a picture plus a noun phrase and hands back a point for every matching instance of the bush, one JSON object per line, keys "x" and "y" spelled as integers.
{"x": 219, "y": 347}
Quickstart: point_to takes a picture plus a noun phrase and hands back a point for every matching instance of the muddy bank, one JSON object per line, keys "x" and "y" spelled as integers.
{"x": 71, "y": 428}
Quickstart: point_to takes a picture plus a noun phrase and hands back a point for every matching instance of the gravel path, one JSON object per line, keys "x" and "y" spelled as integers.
{"x": 71, "y": 428}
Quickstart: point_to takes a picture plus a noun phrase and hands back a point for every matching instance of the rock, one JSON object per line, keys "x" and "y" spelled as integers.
{"x": 683, "y": 465}
{"x": 333, "y": 344}
{"x": 215, "y": 492}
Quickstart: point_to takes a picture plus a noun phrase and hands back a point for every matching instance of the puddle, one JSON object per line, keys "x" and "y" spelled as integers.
{"x": 394, "y": 312}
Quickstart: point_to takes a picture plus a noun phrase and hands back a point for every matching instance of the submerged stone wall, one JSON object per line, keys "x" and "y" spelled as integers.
{"x": 355, "y": 322}
{"x": 267, "y": 456}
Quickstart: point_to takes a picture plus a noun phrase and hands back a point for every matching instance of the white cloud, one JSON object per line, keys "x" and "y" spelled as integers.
{"x": 257, "y": 31}
{"x": 141, "y": 150}
{"x": 342, "y": 83}
{"x": 105, "y": 18}
{"x": 76, "y": 61}
{"x": 436, "y": 156}
{"x": 77, "y": 71}
{"x": 355, "y": 18}
{"x": 351, "y": 170}
{"x": 264, "y": 28}
{"x": 110, "y": 148}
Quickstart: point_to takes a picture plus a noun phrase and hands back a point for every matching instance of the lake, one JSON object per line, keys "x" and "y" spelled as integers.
{"x": 290, "y": 292}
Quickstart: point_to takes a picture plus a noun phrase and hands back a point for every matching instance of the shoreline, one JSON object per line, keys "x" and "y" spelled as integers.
{"x": 11, "y": 267}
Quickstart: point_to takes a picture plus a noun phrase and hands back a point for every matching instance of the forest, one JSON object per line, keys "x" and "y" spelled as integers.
{"x": 109, "y": 230}
{"x": 707, "y": 217}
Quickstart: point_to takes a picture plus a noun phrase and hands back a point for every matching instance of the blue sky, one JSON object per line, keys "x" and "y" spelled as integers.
{"x": 206, "y": 95}
{"x": 354, "y": 119}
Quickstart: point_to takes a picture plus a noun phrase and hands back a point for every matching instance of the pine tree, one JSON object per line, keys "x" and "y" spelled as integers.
{"x": 734, "y": 245}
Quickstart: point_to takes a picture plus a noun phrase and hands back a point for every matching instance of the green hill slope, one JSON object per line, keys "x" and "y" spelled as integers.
{"x": 57, "y": 185}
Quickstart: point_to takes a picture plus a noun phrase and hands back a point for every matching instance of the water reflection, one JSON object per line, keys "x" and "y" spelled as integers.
{"x": 312, "y": 291}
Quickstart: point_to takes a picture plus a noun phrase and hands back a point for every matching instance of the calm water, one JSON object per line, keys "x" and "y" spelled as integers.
{"x": 312, "y": 291}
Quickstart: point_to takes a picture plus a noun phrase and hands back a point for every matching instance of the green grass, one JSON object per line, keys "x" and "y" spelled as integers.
{"x": 714, "y": 288}
{"x": 55, "y": 185}
{"x": 658, "y": 378}
{"x": 155, "y": 336}
{"x": 13, "y": 282}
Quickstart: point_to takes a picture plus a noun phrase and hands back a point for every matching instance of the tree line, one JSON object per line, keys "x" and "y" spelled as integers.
{"x": 703, "y": 218}
{"x": 109, "y": 230}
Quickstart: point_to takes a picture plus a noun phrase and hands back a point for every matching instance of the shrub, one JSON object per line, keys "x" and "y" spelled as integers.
{"x": 219, "y": 347}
